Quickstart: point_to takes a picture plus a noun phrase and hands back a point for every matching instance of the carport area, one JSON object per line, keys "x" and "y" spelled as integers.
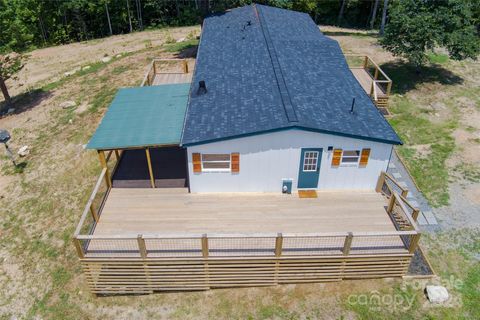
{"x": 143, "y": 127}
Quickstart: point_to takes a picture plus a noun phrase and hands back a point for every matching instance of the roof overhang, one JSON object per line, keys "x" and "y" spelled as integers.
{"x": 143, "y": 117}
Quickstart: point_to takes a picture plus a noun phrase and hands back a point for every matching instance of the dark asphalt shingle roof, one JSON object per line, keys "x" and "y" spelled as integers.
{"x": 270, "y": 69}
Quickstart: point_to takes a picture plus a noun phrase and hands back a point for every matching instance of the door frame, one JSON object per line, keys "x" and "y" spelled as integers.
{"x": 309, "y": 178}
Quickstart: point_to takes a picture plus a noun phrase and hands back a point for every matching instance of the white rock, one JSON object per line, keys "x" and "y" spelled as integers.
{"x": 70, "y": 121}
{"x": 23, "y": 151}
{"x": 69, "y": 73}
{"x": 437, "y": 294}
{"x": 181, "y": 39}
{"x": 118, "y": 55}
{"x": 106, "y": 59}
{"x": 86, "y": 68}
{"x": 11, "y": 110}
{"x": 68, "y": 104}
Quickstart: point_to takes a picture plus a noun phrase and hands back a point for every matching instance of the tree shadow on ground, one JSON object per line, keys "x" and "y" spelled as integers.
{"x": 349, "y": 34}
{"x": 406, "y": 76}
{"x": 24, "y": 101}
{"x": 187, "y": 53}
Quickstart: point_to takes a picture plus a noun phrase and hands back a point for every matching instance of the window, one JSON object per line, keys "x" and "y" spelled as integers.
{"x": 215, "y": 162}
{"x": 350, "y": 156}
{"x": 310, "y": 161}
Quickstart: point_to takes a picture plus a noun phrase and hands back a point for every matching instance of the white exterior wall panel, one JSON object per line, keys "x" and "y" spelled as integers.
{"x": 266, "y": 159}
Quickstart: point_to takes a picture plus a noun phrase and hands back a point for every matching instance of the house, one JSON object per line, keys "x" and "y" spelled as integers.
{"x": 195, "y": 167}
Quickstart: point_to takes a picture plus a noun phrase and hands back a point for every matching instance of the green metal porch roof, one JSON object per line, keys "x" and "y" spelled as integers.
{"x": 143, "y": 116}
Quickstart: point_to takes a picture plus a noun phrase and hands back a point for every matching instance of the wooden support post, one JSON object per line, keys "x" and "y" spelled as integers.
{"x": 278, "y": 245}
{"x": 375, "y": 75}
{"x": 365, "y": 62}
{"x": 347, "y": 244}
{"x": 79, "y": 248}
{"x": 414, "y": 243}
{"x": 389, "y": 88}
{"x": 391, "y": 203}
{"x": 185, "y": 66}
{"x": 380, "y": 182}
{"x": 94, "y": 213}
{"x": 154, "y": 67}
{"x": 117, "y": 155}
{"x": 371, "y": 88}
{"x": 205, "y": 245}
{"x": 141, "y": 246}
{"x": 103, "y": 162}
{"x": 415, "y": 214}
{"x": 150, "y": 170}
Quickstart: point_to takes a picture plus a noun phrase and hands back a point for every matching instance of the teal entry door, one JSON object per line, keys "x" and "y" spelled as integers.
{"x": 309, "y": 168}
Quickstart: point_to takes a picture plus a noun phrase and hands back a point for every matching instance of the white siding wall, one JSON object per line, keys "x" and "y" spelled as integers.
{"x": 266, "y": 159}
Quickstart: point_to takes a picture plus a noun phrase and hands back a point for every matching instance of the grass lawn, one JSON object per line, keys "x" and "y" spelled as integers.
{"x": 40, "y": 277}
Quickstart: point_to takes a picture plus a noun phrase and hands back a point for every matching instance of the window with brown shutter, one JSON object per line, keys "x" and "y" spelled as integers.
{"x": 364, "y": 157}
{"x": 197, "y": 162}
{"x": 235, "y": 162}
{"x": 337, "y": 156}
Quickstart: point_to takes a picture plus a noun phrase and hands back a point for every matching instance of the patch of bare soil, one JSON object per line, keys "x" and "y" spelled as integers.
{"x": 50, "y": 64}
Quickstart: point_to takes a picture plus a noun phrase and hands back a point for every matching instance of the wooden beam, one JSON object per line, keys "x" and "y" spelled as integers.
{"x": 278, "y": 245}
{"x": 150, "y": 170}
{"x": 347, "y": 244}
{"x": 141, "y": 246}
{"x": 205, "y": 245}
{"x": 103, "y": 162}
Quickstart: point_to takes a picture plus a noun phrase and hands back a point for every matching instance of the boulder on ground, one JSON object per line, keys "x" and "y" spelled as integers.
{"x": 86, "y": 68}
{"x": 68, "y": 104}
{"x": 106, "y": 59}
{"x": 437, "y": 294}
{"x": 23, "y": 151}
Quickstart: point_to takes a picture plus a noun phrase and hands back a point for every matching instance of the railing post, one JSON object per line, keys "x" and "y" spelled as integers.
{"x": 376, "y": 74}
{"x": 380, "y": 182}
{"x": 371, "y": 88}
{"x": 94, "y": 213}
{"x": 404, "y": 193}
{"x": 365, "y": 62}
{"x": 141, "y": 246}
{"x": 204, "y": 245}
{"x": 154, "y": 67}
{"x": 79, "y": 248}
{"x": 389, "y": 88}
{"x": 347, "y": 244}
{"x": 185, "y": 66}
{"x": 391, "y": 203}
{"x": 415, "y": 214}
{"x": 413, "y": 243}
{"x": 150, "y": 170}
{"x": 278, "y": 245}
{"x": 103, "y": 162}
{"x": 117, "y": 154}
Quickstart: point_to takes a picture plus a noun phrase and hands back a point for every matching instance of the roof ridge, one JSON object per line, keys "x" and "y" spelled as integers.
{"x": 277, "y": 70}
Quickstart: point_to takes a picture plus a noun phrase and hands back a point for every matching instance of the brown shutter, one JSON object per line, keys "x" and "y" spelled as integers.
{"x": 364, "y": 157}
{"x": 197, "y": 162}
{"x": 235, "y": 158}
{"x": 337, "y": 156}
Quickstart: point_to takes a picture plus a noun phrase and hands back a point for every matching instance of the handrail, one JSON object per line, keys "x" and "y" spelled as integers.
{"x": 404, "y": 190}
{"x": 402, "y": 206}
{"x": 89, "y": 202}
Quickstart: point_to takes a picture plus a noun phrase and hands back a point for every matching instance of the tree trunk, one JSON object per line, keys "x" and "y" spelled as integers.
{"x": 342, "y": 9}
{"x": 108, "y": 19}
{"x": 384, "y": 17}
{"x": 374, "y": 14}
{"x": 139, "y": 14}
{"x": 129, "y": 17}
{"x": 177, "y": 8}
{"x": 4, "y": 89}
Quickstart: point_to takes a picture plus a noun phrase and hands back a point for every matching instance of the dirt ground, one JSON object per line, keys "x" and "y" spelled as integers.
{"x": 40, "y": 277}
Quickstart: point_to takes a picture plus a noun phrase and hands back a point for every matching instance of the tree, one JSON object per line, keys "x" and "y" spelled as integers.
{"x": 384, "y": 17}
{"x": 10, "y": 64}
{"x": 416, "y": 27}
{"x": 374, "y": 14}
{"x": 342, "y": 9}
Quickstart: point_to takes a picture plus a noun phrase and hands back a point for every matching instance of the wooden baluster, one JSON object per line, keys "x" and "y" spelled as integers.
{"x": 347, "y": 244}
{"x": 205, "y": 246}
{"x": 278, "y": 245}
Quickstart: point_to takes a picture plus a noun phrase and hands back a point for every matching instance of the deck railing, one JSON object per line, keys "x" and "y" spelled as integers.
{"x": 164, "y": 66}
{"x": 379, "y": 78}
{"x": 402, "y": 213}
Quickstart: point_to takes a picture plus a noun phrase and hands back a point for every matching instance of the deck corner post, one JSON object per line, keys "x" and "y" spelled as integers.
{"x": 103, "y": 162}
{"x": 78, "y": 247}
{"x": 413, "y": 243}
{"x": 278, "y": 244}
{"x": 347, "y": 244}
{"x": 380, "y": 182}
{"x": 205, "y": 245}
{"x": 141, "y": 246}
{"x": 391, "y": 203}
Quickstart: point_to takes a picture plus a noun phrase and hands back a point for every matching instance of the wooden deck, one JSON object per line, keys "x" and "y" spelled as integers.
{"x": 154, "y": 211}
{"x": 171, "y": 78}
{"x": 365, "y": 80}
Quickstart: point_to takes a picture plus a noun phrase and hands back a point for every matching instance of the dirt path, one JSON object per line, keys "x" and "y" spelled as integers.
{"x": 49, "y": 64}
